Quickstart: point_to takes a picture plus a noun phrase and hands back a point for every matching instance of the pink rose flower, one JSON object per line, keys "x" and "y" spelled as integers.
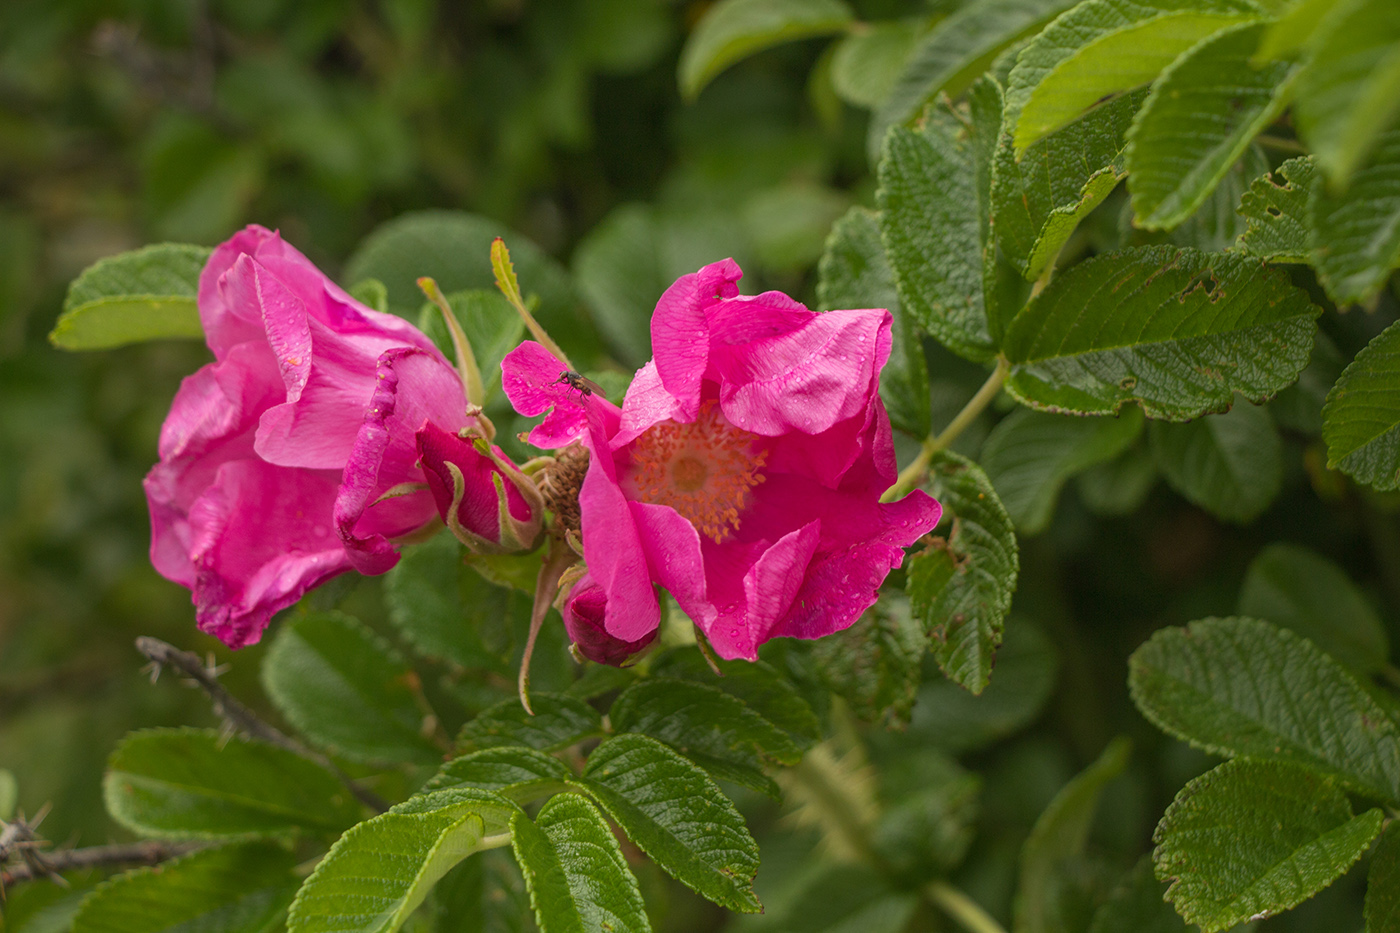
{"x": 274, "y": 458}
{"x": 743, "y": 472}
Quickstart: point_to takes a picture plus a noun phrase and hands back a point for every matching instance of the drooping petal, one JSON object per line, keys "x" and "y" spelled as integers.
{"x": 673, "y": 554}
{"x": 770, "y": 586}
{"x": 679, "y": 334}
{"x": 613, "y": 550}
{"x": 837, "y": 588}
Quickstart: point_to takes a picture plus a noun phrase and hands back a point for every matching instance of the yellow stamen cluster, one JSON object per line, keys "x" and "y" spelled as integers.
{"x": 704, "y": 470}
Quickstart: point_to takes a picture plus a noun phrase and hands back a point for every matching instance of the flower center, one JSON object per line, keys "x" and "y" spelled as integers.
{"x": 704, "y": 470}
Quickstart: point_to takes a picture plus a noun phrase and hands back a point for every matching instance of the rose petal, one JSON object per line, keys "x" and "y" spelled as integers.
{"x": 613, "y": 550}
{"x": 679, "y": 333}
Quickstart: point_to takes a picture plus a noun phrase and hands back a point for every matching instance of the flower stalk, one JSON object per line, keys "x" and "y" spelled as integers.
{"x": 510, "y": 287}
{"x": 472, "y": 383}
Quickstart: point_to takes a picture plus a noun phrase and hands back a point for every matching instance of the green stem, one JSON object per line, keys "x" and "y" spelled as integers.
{"x": 493, "y": 842}
{"x": 1281, "y": 144}
{"x": 506, "y": 281}
{"x": 913, "y": 474}
{"x": 962, "y": 908}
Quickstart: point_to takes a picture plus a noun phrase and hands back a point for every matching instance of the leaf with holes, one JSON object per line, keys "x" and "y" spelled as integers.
{"x": 675, "y": 813}
{"x": 574, "y": 869}
{"x": 1275, "y": 209}
{"x": 1239, "y": 686}
{"x": 232, "y": 889}
{"x": 1231, "y": 465}
{"x": 516, "y": 773}
{"x": 1252, "y": 838}
{"x": 876, "y": 665}
{"x": 146, "y": 294}
{"x": 1101, "y": 47}
{"x": 961, "y": 586}
{"x": 347, "y": 690}
{"x": 559, "y": 721}
{"x": 1200, "y": 117}
{"x": 1177, "y": 330}
{"x": 378, "y": 873}
{"x": 1356, "y": 234}
{"x": 194, "y": 784}
{"x": 1361, "y": 418}
{"x": 735, "y": 29}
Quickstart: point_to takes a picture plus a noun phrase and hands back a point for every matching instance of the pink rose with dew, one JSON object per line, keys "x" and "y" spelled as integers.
{"x": 292, "y": 457}
{"x": 743, "y": 472}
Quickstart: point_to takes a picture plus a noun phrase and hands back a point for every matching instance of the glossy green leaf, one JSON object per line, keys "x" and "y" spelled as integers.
{"x": 1231, "y": 465}
{"x": 757, "y": 683}
{"x": 1177, "y": 330}
{"x": 1350, "y": 91}
{"x": 950, "y": 57}
{"x": 1299, "y": 590}
{"x": 1361, "y": 418}
{"x": 735, "y": 29}
{"x": 559, "y": 721}
{"x": 346, "y": 689}
{"x": 1356, "y": 234}
{"x": 1101, "y": 47}
{"x": 233, "y": 889}
{"x": 931, "y": 220}
{"x": 194, "y": 784}
{"x": 1275, "y": 209}
{"x": 146, "y": 294}
{"x": 1060, "y": 834}
{"x": 960, "y": 586}
{"x": 1200, "y": 117}
{"x": 1253, "y": 838}
{"x": 1030, "y": 455}
{"x": 675, "y": 813}
{"x": 446, "y": 610}
{"x": 1383, "y": 884}
{"x": 1138, "y": 905}
{"x": 876, "y": 665}
{"x": 1039, "y": 199}
{"x": 1239, "y": 686}
{"x": 492, "y": 327}
{"x": 866, "y": 65}
{"x": 854, "y": 273}
{"x": 378, "y": 873}
{"x": 516, "y": 773}
{"x": 578, "y": 879}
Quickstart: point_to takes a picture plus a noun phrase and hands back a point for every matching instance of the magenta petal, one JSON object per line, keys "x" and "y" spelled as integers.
{"x": 613, "y": 550}
{"x": 412, "y": 386}
{"x": 226, "y": 323}
{"x": 673, "y": 553}
{"x": 769, "y": 588}
{"x": 679, "y": 334}
{"x": 647, "y": 403}
{"x": 838, "y": 587}
{"x": 584, "y": 613}
{"x": 530, "y": 378}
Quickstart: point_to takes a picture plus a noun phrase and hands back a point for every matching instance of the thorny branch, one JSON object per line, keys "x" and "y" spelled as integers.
{"x": 241, "y": 717}
{"x": 34, "y": 863}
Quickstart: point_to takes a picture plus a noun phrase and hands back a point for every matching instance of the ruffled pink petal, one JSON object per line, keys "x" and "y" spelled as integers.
{"x": 412, "y": 386}
{"x": 530, "y": 377}
{"x": 647, "y": 403}
{"x": 838, "y": 587}
{"x": 679, "y": 333}
{"x": 784, "y": 500}
{"x": 227, "y": 324}
{"x": 260, "y": 537}
{"x": 804, "y": 380}
{"x": 770, "y": 585}
{"x": 613, "y": 550}
{"x": 673, "y": 554}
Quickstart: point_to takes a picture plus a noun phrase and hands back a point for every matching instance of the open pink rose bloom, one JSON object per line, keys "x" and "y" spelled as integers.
{"x": 743, "y": 472}
{"x": 274, "y": 457}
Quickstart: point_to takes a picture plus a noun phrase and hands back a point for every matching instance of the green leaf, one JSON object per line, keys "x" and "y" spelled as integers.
{"x": 233, "y": 889}
{"x": 193, "y": 784}
{"x": 720, "y": 733}
{"x": 1177, "y": 330}
{"x": 1252, "y": 838}
{"x": 1297, "y": 589}
{"x": 1030, "y": 455}
{"x": 1216, "y": 226}
{"x": 484, "y": 894}
{"x": 675, "y": 813}
{"x": 146, "y": 294}
{"x": 1350, "y": 92}
{"x": 1138, "y": 905}
{"x": 1361, "y": 418}
{"x": 1119, "y": 486}
{"x": 876, "y": 664}
{"x": 788, "y": 223}
{"x": 865, "y": 65}
{"x": 949, "y": 58}
{"x": 516, "y": 773}
{"x": 372, "y": 293}
{"x": 1383, "y": 884}
{"x": 492, "y": 326}
{"x": 578, "y": 879}
{"x": 960, "y": 587}
{"x": 1275, "y": 209}
{"x": 1039, "y": 199}
{"x": 1060, "y": 835}
{"x": 1231, "y": 465}
{"x": 1200, "y": 117}
{"x": 1101, "y": 47}
{"x": 1239, "y": 686}
{"x": 1356, "y": 234}
{"x": 854, "y": 273}
{"x": 382, "y": 869}
{"x": 946, "y": 716}
{"x": 756, "y": 683}
{"x": 732, "y": 30}
{"x": 559, "y": 721}
{"x": 932, "y": 225}
{"x": 446, "y": 610}
{"x": 346, "y": 690}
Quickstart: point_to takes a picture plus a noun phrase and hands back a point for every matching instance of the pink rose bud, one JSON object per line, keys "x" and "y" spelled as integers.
{"x": 583, "y": 610}
{"x": 485, "y": 500}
